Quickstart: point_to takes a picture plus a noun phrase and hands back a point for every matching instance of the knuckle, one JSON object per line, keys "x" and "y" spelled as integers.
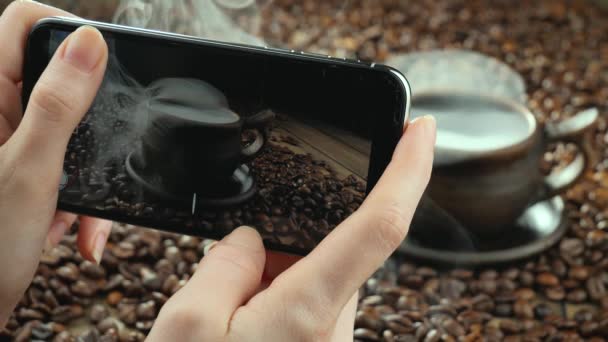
{"x": 391, "y": 226}
{"x": 51, "y": 102}
{"x": 180, "y": 317}
{"x": 309, "y": 316}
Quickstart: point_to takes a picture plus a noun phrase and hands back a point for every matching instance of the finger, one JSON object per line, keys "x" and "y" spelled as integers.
{"x": 59, "y": 100}
{"x": 346, "y": 319}
{"x": 15, "y": 24}
{"x": 357, "y": 247}
{"x": 226, "y": 279}
{"x": 10, "y": 108}
{"x": 61, "y": 224}
{"x": 92, "y": 237}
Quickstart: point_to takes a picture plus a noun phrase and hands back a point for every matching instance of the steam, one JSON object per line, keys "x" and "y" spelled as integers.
{"x": 119, "y": 114}
{"x": 235, "y": 21}
{"x": 117, "y": 119}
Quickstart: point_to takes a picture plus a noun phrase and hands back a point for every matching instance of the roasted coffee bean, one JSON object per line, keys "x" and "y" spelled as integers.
{"x": 483, "y": 302}
{"x": 84, "y": 288}
{"x": 576, "y": 296}
{"x": 114, "y": 298}
{"x": 109, "y": 323}
{"x": 555, "y": 293}
{"x": 92, "y": 335}
{"x": 596, "y": 288}
{"x": 547, "y": 279}
{"x": 63, "y": 336}
{"x": 98, "y": 312}
{"x": 146, "y": 310}
{"x": 526, "y": 278}
{"x": 363, "y": 334}
{"x": 127, "y": 313}
{"x": 579, "y": 272}
{"x": 64, "y": 314}
{"x": 571, "y": 247}
{"x": 92, "y": 270}
{"x": 123, "y": 250}
{"x": 523, "y": 309}
{"x": 510, "y": 326}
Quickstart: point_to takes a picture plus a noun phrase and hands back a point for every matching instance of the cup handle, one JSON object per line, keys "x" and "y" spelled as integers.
{"x": 257, "y": 124}
{"x": 571, "y": 130}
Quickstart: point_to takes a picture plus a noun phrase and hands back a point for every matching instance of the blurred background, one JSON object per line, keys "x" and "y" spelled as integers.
{"x": 559, "y": 47}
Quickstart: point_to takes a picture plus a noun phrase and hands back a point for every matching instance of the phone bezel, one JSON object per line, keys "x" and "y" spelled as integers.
{"x": 35, "y": 62}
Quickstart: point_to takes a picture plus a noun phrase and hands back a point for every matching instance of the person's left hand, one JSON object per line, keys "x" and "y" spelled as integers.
{"x": 33, "y": 145}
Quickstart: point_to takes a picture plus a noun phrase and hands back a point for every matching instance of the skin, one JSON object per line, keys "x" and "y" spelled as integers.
{"x": 240, "y": 292}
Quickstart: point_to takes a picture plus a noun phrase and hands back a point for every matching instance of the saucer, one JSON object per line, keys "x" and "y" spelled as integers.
{"x": 539, "y": 228}
{"x": 240, "y": 188}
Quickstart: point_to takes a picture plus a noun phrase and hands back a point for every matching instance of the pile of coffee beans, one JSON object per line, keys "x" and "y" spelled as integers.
{"x": 561, "y": 49}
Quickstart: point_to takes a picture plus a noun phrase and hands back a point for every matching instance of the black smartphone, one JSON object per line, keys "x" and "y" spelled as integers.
{"x": 199, "y": 137}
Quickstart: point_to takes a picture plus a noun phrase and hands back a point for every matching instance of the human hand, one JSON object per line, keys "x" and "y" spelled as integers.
{"x": 33, "y": 145}
{"x": 241, "y": 293}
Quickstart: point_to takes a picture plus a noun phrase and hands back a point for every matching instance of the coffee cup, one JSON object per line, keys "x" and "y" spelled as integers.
{"x": 193, "y": 142}
{"x": 487, "y": 158}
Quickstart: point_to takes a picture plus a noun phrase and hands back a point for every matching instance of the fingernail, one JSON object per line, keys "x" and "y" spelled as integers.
{"x": 48, "y": 246}
{"x": 98, "y": 247}
{"x": 428, "y": 121}
{"x": 208, "y": 248}
{"x": 85, "y": 48}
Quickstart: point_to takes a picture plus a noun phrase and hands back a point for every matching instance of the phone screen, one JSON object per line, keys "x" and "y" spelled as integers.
{"x": 201, "y": 140}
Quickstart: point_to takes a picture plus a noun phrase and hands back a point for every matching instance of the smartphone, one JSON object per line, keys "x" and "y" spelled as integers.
{"x": 199, "y": 137}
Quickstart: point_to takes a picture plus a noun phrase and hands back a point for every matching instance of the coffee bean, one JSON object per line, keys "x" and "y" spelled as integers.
{"x": 127, "y": 313}
{"x": 547, "y": 279}
{"x": 579, "y": 272}
{"x": 576, "y": 296}
{"x": 64, "y": 314}
{"x": 146, "y": 310}
{"x": 483, "y": 302}
{"x": 123, "y": 250}
{"x": 98, "y": 312}
{"x": 526, "y": 278}
{"x": 363, "y": 334}
{"x": 69, "y": 272}
{"x": 523, "y": 309}
{"x": 571, "y": 247}
{"x": 173, "y": 255}
{"x": 109, "y": 323}
{"x": 510, "y": 326}
{"x": 92, "y": 270}
{"x": 42, "y": 331}
{"x": 452, "y": 327}
{"x": 64, "y": 336}
{"x": 114, "y": 298}
{"x": 555, "y": 293}
{"x": 25, "y": 314}
{"x": 596, "y": 288}
{"x": 84, "y": 288}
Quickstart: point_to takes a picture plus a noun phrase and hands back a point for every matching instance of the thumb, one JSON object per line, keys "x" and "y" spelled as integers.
{"x": 59, "y": 100}
{"x": 227, "y": 277}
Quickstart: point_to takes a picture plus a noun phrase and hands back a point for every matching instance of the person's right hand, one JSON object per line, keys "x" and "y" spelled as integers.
{"x": 241, "y": 293}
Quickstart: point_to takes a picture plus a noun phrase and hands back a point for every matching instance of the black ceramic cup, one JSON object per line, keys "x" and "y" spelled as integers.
{"x": 193, "y": 141}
